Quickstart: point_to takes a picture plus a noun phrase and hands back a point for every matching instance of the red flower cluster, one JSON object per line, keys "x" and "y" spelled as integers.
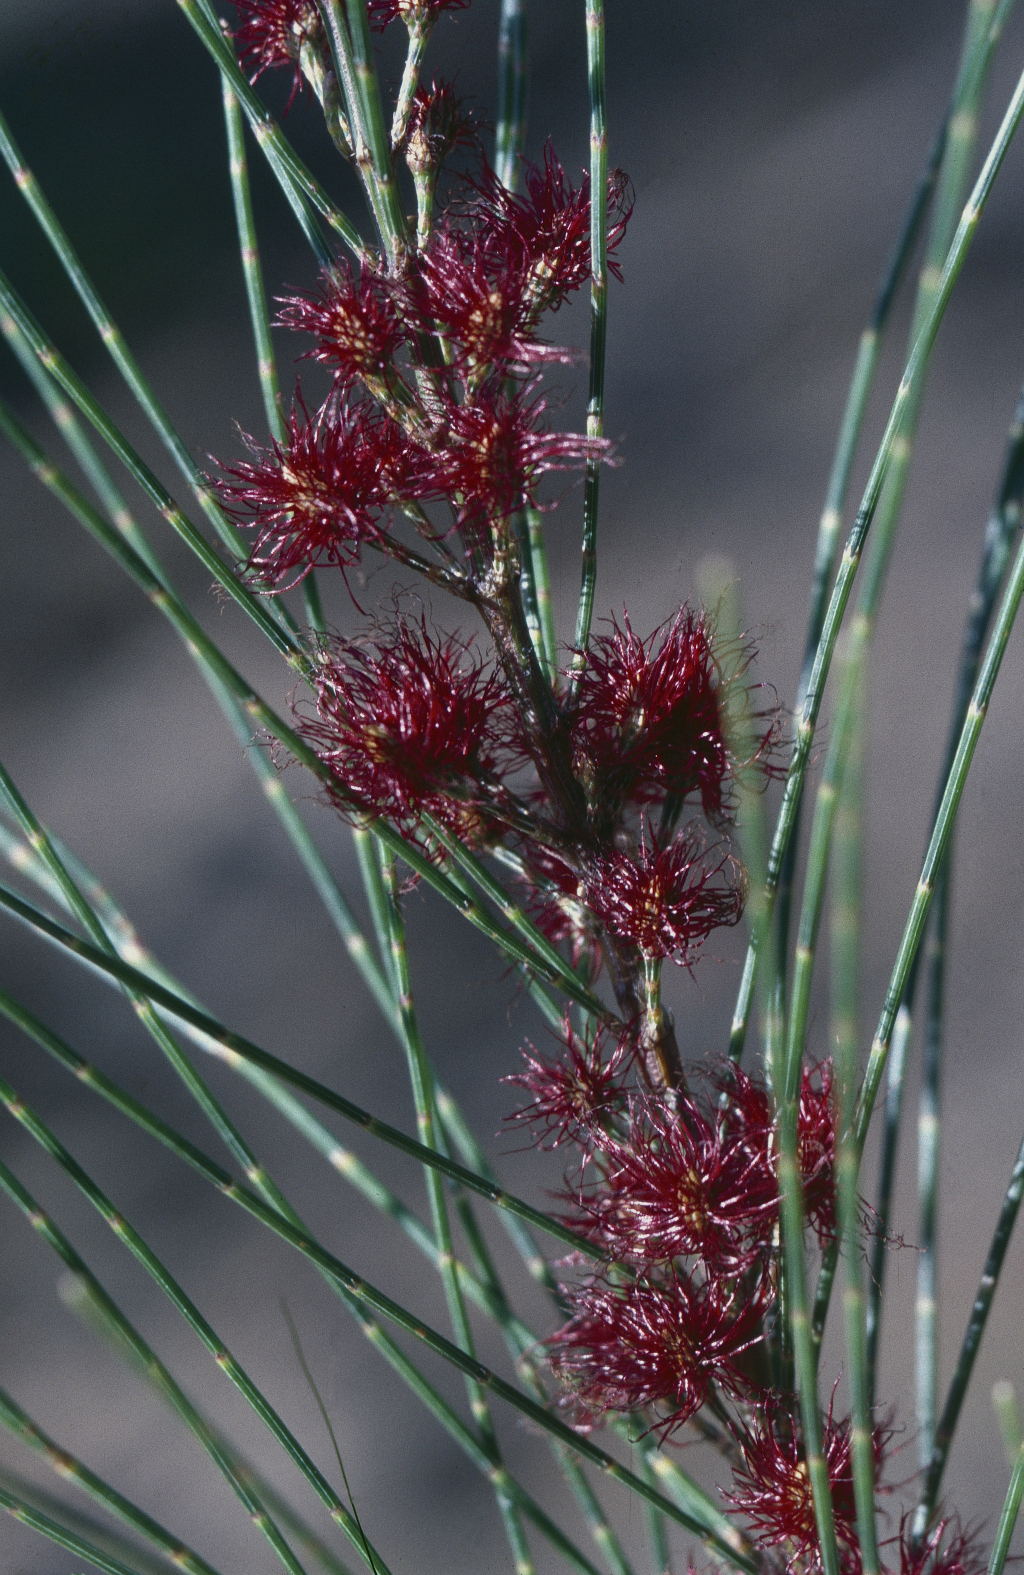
{"x": 272, "y": 33}
{"x": 609, "y": 790}
{"x": 411, "y": 724}
{"x": 415, "y": 13}
{"x": 666, "y": 900}
{"x": 771, "y": 1486}
{"x": 664, "y": 1344}
{"x": 686, "y": 1197}
{"x": 652, "y": 716}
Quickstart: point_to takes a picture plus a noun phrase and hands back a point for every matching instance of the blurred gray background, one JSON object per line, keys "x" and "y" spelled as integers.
{"x": 773, "y": 149}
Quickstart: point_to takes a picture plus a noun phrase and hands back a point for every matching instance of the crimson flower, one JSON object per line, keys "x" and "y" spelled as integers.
{"x": 772, "y": 1488}
{"x": 318, "y": 497}
{"x": 494, "y": 453}
{"x": 816, "y": 1149}
{"x": 483, "y": 305}
{"x": 666, "y": 900}
{"x": 421, "y": 13}
{"x": 354, "y": 322}
{"x": 273, "y": 33}
{"x": 662, "y": 1341}
{"x": 409, "y": 724}
{"x": 649, "y": 714}
{"x": 438, "y": 125}
{"x": 576, "y": 1097}
{"x": 545, "y": 230}
{"x": 946, "y": 1549}
{"x": 682, "y": 1185}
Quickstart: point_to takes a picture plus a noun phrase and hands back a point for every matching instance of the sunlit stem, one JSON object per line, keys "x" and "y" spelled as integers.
{"x": 513, "y": 87}
{"x": 598, "y": 324}
{"x": 1004, "y": 1404}
{"x": 969, "y": 1348}
{"x": 885, "y": 485}
{"x": 847, "y": 871}
{"x": 419, "y": 32}
{"x": 1008, "y": 1516}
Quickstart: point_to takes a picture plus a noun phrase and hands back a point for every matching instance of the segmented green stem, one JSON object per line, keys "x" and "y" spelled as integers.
{"x": 657, "y": 1531}
{"x": 1000, "y": 529}
{"x": 521, "y": 1344}
{"x": 225, "y": 1360}
{"x": 938, "y": 843}
{"x": 907, "y": 394}
{"x": 957, "y": 140}
{"x": 419, "y": 33}
{"x": 847, "y": 892}
{"x": 142, "y": 1353}
{"x": 1008, "y": 1516}
{"x": 981, "y": 30}
{"x": 352, "y": 1282}
{"x": 181, "y": 1009}
{"x": 423, "y": 1099}
{"x": 252, "y": 272}
{"x": 513, "y": 91}
{"x": 598, "y": 324}
{"x": 520, "y": 921}
{"x": 81, "y": 908}
{"x": 72, "y": 1470}
{"x": 969, "y": 1348}
{"x": 21, "y": 1510}
{"x": 140, "y": 472}
{"x": 542, "y": 592}
{"x": 805, "y": 1366}
{"x": 830, "y": 524}
{"x": 73, "y": 434}
{"x": 349, "y": 31}
{"x": 237, "y": 717}
{"x": 1004, "y": 1404}
{"x": 845, "y": 973}
{"x": 486, "y": 1291}
{"x": 299, "y": 187}
{"x": 926, "y": 1306}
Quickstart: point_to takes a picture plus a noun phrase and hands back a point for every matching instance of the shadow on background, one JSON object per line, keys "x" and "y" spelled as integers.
{"x": 773, "y": 150}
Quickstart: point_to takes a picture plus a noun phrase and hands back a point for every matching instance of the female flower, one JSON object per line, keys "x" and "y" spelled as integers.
{"x": 577, "y": 1097}
{"x": 662, "y": 1342}
{"x": 666, "y": 900}
{"x": 317, "y": 498}
{"x": 772, "y": 1488}
{"x": 680, "y": 1184}
{"x": 354, "y": 323}
{"x": 411, "y": 724}
{"x": 272, "y": 33}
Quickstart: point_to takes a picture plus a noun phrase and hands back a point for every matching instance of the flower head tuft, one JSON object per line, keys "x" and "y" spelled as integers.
{"x": 946, "y": 1549}
{"x": 680, "y": 1184}
{"x": 272, "y": 33}
{"x": 438, "y": 124}
{"x": 816, "y": 1149}
{"x": 414, "y": 13}
{"x": 575, "y": 1098}
{"x": 662, "y": 1341}
{"x": 545, "y": 230}
{"x": 667, "y": 900}
{"x": 410, "y": 723}
{"x": 354, "y": 322}
{"x": 772, "y": 1487}
{"x": 493, "y": 455}
{"x": 651, "y": 716}
{"x": 318, "y": 497}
